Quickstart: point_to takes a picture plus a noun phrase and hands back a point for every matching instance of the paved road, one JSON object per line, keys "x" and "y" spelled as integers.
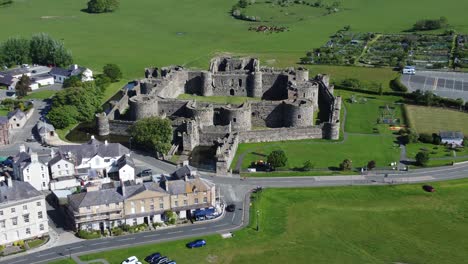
{"x": 236, "y": 190}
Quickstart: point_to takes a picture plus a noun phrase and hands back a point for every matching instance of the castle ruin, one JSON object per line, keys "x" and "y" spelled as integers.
{"x": 284, "y": 108}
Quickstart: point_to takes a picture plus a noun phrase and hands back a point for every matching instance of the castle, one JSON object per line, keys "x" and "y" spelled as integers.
{"x": 283, "y": 106}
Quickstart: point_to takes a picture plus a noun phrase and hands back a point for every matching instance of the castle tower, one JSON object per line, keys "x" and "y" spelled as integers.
{"x": 204, "y": 113}
{"x": 143, "y": 106}
{"x": 207, "y": 83}
{"x": 299, "y": 113}
{"x": 302, "y": 75}
{"x": 257, "y": 89}
{"x": 239, "y": 118}
{"x": 102, "y": 124}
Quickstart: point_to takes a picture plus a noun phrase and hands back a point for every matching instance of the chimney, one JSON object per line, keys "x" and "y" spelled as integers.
{"x": 185, "y": 163}
{"x": 52, "y": 152}
{"x": 22, "y": 148}
{"x": 34, "y": 157}
{"x": 122, "y": 185}
{"x": 75, "y": 67}
{"x": 9, "y": 181}
{"x": 105, "y": 142}
{"x": 92, "y": 137}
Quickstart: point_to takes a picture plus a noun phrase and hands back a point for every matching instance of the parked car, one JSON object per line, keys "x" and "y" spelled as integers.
{"x": 231, "y": 208}
{"x": 130, "y": 260}
{"x": 172, "y": 262}
{"x": 197, "y": 243}
{"x": 428, "y": 188}
{"x": 147, "y": 172}
{"x": 160, "y": 260}
{"x": 152, "y": 257}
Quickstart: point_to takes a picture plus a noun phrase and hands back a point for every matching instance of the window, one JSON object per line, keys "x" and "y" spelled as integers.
{"x": 196, "y": 200}
{"x": 161, "y": 206}
{"x": 42, "y": 168}
{"x": 14, "y": 220}
{"x": 152, "y": 207}
{"x": 28, "y": 231}
{"x": 26, "y": 218}
{"x": 41, "y": 227}
{"x": 43, "y": 184}
{"x": 43, "y": 175}
{"x": 134, "y": 221}
{"x": 234, "y": 120}
{"x": 2, "y": 224}
{"x": 39, "y": 215}
{"x": 176, "y": 203}
{"x": 299, "y": 117}
{"x": 107, "y": 205}
{"x": 185, "y": 202}
{"x": 58, "y": 166}
{"x": 88, "y": 207}
{"x": 1, "y": 212}
{"x": 13, "y": 210}
{"x": 240, "y": 82}
{"x": 67, "y": 172}
{"x": 106, "y": 160}
{"x": 38, "y": 203}
{"x": 66, "y": 166}
{"x": 231, "y": 92}
{"x": 161, "y": 199}
{"x": 25, "y": 207}
{"x": 27, "y": 170}
{"x": 205, "y": 199}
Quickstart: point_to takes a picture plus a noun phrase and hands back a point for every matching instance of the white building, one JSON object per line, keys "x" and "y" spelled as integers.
{"x": 411, "y": 70}
{"x": 61, "y": 74}
{"x": 23, "y": 212}
{"x": 451, "y": 137}
{"x": 29, "y": 167}
{"x": 62, "y": 172}
{"x": 123, "y": 169}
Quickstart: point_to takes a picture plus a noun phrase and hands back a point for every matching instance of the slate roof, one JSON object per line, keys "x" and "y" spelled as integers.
{"x": 3, "y": 120}
{"x": 44, "y": 128}
{"x": 133, "y": 190}
{"x": 23, "y": 159}
{"x": 93, "y": 148}
{"x": 451, "y": 134}
{"x": 16, "y": 113}
{"x": 67, "y": 72}
{"x": 183, "y": 171}
{"x": 124, "y": 160}
{"x": 17, "y": 71}
{"x": 175, "y": 187}
{"x": 6, "y": 79}
{"x": 17, "y": 192}
{"x": 58, "y": 157}
{"x": 100, "y": 197}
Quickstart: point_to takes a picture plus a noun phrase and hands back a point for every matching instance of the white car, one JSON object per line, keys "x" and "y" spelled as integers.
{"x": 131, "y": 260}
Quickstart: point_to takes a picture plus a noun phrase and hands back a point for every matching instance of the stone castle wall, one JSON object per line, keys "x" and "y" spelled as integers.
{"x": 280, "y": 134}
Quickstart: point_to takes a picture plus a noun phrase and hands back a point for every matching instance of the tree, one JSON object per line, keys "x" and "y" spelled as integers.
{"x": 307, "y": 166}
{"x": 86, "y": 99}
{"x": 63, "y": 116}
{"x": 102, "y": 6}
{"x": 48, "y": 51}
{"x": 112, "y": 71}
{"x": 153, "y": 134}
{"x": 371, "y": 165}
{"x": 22, "y": 86}
{"x": 346, "y": 165}
{"x": 422, "y": 158}
{"x": 72, "y": 81}
{"x": 15, "y": 51}
{"x": 277, "y": 158}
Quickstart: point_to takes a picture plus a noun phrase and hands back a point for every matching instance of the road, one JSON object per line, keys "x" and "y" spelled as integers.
{"x": 235, "y": 190}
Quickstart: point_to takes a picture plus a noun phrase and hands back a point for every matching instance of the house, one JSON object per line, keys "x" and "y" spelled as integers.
{"x": 123, "y": 169}
{"x": 17, "y": 119}
{"x": 23, "y": 212}
{"x": 46, "y": 131}
{"x": 8, "y": 81}
{"x": 451, "y": 137}
{"x": 61, "y": 74}
{"x": 411, "y": 70}
{"x": 63, "y": 173}
{"x": 41, "y": 80}
{"x": 4, "y": 130}
{"x": 96, "y": 210}
{"x": 32, "y": 168}
{"x": 94, "y": 158}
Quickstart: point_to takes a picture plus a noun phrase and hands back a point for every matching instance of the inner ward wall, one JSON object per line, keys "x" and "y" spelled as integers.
{"x": 280, "y": 134}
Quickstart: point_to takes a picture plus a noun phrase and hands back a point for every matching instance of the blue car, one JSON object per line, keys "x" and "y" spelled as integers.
{"x": 197, "y": 243}
{"x": 152, "y": 257}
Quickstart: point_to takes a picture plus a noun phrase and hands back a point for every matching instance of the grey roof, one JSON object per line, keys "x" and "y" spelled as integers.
{"x": 125, "y": 160}
{"x": 17, "y": 71}
{"x": 17, "y": 192}
{"x": 133, "y": 190}
{"x": 44, "y": 128}
{"x": 58, "y": 157}
{"x": 100, "y": 197}
{"x": 186, "y": 186}
{"x": 183, "y": 171}
{"x": 6, "y": 79}
{"x": 451, "y": 134}
{"x": 3, "y": 120}
{"x": 59, "y": 71}
{"x": 23, "y": 159}
{"x": 16, "y": 113}
{"x": 93, "y": 148}
{"x": 42, "y": 77}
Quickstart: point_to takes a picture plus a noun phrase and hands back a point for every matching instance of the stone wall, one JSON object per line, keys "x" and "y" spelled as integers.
{"x": 280, "y": 134}
{"x": 120, "y": 127}
{"x": 267, "y": 114}
{"x": 172, "y": 107}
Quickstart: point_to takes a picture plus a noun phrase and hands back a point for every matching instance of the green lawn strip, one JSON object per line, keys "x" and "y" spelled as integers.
{"x": 433, "y": 119}
{"x": 63, "y": 261}
{"x": 297, "y": 173}
{"x": 44, "y": 94}
{"x": 112, "y": 89}
{"x": 325, "y": 154}
{"x": 62, "y": 133}
{"x": 360, "y": 224}
{"x": 4, "y": 111}
{"x": 434, "y": 151}
{"x": 218, "y": 99}
{"x": 36, "y": 242}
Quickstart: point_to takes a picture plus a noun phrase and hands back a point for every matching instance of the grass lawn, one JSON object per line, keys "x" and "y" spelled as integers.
{"x": 434, "y": 151}
{"x": 218, "y": 99}
{"x": 359, "y": 148}
{"x": 188, "y": 32}
{"x": 363, "y": 115}
{"x": 4, "y": 112}
{"x": 366, "y": 224}
{"x": 297, "y": 173}
{"x": 112, "y": 89}
{"x": 432, "y": 119}
{"x": 44, "y": 94}
{"x": 35, "y": 243}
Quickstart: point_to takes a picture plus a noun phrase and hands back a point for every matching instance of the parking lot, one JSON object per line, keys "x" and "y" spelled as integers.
{"x": 447, "y": 84}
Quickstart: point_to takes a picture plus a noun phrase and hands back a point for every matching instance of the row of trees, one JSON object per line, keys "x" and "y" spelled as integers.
{"x": 40, "y": 49}
{"x": 430, "y": 24}
{"x": 153, "y": 134}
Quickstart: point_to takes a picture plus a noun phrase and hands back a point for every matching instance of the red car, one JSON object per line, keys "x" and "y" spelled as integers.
{"x": 428, "y": 188}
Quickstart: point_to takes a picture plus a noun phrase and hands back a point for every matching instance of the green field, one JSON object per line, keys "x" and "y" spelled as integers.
{"x": 188, "y": 32}
{"x": 44, "y": 94}
{"x": 359, "y": 148}
{"x": 373, "y": 224}
{"x": 432, "y": 120}
{"x": 218, "y": 99}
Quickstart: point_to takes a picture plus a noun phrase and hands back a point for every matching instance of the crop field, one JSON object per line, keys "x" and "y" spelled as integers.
{"x": 432, "y": 119}
{"x": 187, "y": 32}
{"x": 371, "y": 224}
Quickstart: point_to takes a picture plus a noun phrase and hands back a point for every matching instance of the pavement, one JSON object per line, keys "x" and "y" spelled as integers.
{"x": 446, "y": 84}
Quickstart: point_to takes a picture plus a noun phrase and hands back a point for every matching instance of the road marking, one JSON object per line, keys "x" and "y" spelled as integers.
{"x": 42, "y": 255}
{"x": 125, "y": 239}
{"x": 200, "y": 228}
{"x": 151, "y": 235}
{"x": 16, "y": 261}
{"x": 75, "y": 247}
{"x": 221, "y": 225}
{"x": 175, "y": 232}
{"x": 100, "y": 243}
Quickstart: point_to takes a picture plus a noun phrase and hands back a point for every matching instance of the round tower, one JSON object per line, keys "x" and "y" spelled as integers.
{"x": 302, "y": 75}
{"x": 143, "y": 106}
{"x": 239, "y": 117}
{"x": 203, "y": 113}
{"x": 257, "y": 84}
{"x": 102, "y": 124}
{"x": 299, "y": 113}
{"x": 207, "y": 83}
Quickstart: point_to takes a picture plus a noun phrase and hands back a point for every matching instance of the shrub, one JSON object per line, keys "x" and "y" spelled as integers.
{"x": 422, "y": 158}
{"x": 88, "y": 234}
{"x": 346, "y": 165}
{"x": 307, "y": 166}
{"x": 277, "y": 158}
{"x": 425, "y": 138}
{"x": 157, "y": 224}
{"x": 102, "y": 6}
{"x": 112, "y": 71}
{"x": 371, "y": 164}
{"x": 117, "y": 231}
{"x": 396, "y": 85}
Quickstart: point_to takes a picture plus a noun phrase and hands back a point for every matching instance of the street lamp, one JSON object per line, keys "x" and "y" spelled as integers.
{"x": 69, "y": 253}
{"x": 258, "y": 212}
{"x": 130, "y": 142}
